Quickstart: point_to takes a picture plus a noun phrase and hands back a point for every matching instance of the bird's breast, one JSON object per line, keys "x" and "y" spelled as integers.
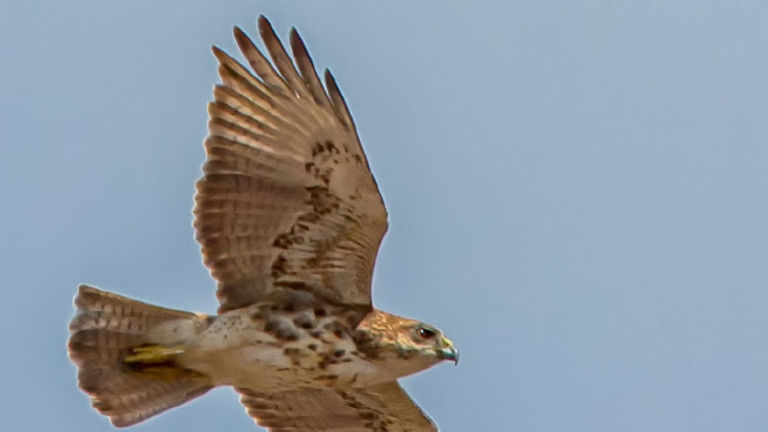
{"x": 269, "y": 349}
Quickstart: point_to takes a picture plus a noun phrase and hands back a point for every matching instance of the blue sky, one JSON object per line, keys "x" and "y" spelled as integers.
{"x": 577, "y": 194}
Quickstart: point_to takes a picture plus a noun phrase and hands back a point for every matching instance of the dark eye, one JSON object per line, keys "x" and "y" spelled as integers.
{"x": 425, "y": 333}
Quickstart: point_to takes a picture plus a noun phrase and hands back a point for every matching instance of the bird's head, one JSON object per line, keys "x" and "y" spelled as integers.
{"x": 404, "y": 345}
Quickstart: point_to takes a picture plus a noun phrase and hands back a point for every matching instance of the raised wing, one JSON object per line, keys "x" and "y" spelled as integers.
{"x": 383, "y": 408}
{"x": 287, "y": 203}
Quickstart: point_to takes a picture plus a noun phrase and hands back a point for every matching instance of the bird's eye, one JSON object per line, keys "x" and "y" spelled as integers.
{"x": 425, "y": 333}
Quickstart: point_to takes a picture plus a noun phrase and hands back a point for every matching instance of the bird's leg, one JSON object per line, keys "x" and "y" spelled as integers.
{"x": 149, "y": 354}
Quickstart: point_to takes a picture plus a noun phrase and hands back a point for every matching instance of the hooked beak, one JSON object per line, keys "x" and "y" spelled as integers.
{"x": 448, "y": 351}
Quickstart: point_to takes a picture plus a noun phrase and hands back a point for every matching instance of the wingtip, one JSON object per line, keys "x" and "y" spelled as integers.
{"x": 241, "y": 38}
{"x": 218, "y": 52}
{"x": 330, "y": 81}
{"x": 297, "y": 43}
{"x": 264, "y": 25}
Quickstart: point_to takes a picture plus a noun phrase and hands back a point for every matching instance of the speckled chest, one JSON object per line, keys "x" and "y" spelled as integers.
{"x": 263, "y": 346}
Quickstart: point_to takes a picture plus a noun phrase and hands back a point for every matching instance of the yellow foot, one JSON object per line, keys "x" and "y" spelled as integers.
{"x": 153, "y": 354}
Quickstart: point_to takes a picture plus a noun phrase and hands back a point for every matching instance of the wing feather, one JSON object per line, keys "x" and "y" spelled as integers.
{"x": 339, "y": 104}
{"x": 287, "y": 201}
{"x": 381, "y": 408}
{"x": 307, "y": 69}
{"x": 280, "y": 57}
{"x": 258, "y": 62}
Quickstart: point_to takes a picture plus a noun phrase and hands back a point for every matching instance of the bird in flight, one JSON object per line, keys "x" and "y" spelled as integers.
{"x": 290, "y": 219}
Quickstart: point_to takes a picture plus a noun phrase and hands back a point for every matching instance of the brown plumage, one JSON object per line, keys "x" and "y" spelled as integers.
{"x": 385, "y": 407}
{"x": 290, "y": 219}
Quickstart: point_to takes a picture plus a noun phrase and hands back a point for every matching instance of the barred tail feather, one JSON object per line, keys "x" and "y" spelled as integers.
{"x": 106, "y": 334}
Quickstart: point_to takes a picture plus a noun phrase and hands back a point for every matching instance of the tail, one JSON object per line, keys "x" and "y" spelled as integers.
{"x": 125, "y": 352}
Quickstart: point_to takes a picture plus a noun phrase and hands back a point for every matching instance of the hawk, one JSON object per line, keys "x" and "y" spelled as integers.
{"x": 289, "y": 219}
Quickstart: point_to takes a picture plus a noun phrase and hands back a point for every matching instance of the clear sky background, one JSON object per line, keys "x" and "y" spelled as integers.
{"x": 578, "y": 195}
